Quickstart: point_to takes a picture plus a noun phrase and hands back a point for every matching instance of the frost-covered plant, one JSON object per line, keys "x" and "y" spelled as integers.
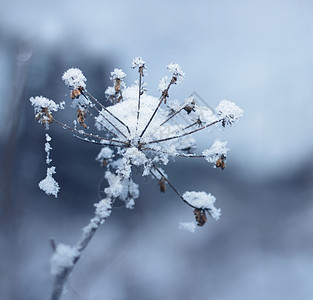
{"x": 137, "y": 130}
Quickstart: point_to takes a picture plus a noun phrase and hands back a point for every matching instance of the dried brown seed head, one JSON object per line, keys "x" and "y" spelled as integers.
{"x": 200, "y": 216}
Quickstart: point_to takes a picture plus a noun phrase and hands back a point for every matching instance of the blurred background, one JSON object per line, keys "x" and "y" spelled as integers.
{"x": 258, "y": 54}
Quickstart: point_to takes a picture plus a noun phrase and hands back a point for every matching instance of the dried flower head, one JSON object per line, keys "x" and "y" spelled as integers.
{"x": 140, "y": 131}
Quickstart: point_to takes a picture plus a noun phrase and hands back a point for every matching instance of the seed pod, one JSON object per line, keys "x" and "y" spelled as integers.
{"x": 75, "y": 93}
{"x": 220, "y": 163}
{"x": 81, "y": 118}
{"x": 200, "y": 216}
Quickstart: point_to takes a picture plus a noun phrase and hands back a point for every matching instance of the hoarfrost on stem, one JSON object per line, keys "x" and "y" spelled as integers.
{"x": 62, "y": 258}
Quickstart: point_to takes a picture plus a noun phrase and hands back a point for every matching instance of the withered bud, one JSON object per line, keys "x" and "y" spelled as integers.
{"x": 141, "y": 71}
{"x": 162, "y": 185}
{"x": 119, "y": 99}
{"x": 44, "y": 116}
{"x": 220, "y": 163}
{"x": 190, "y": 107}
{"x": 200, "y": 216}
{"x": 117, "y": 85}
{"x": 81, "y": 118}
{"x": 104, "y": 163}
{"x": 165, "y": 95}
{"x": 76, "y": 93}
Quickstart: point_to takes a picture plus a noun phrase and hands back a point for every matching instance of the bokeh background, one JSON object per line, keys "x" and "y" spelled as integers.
{"x": 258, "y": 54}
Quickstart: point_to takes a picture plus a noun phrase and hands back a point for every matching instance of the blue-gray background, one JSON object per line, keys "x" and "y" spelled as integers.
{"x": 258, "y": 54}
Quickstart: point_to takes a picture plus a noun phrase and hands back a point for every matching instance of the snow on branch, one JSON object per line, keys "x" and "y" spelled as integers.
{"x": 138, "y": 131}
{"x": 74, "y": 78}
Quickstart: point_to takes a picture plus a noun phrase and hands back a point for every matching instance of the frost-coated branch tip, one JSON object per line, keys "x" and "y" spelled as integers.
{"x": 74, "y": 78}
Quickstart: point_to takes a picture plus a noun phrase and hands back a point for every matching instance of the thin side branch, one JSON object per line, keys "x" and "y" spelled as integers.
{"x": 176, "y": 154}
{"x": 173, "y": 115}
{"x": 99, "y": 143}
{"x": 162, "y": 98}
{"x": 79, "y": 132}
{"x": 184, "y": 134}
{"x": 172, "y": 186}
{"x": 139, "y": 93}
{"x": 62, "y": 277}
{"x": 105, "y": 109}
{"x": 104, "y": 127}
{"x": 104, "y": 117}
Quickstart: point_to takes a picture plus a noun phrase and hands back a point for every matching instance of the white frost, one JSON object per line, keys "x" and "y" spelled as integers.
{"x": 47, "y": 149}
{"x": 138, "y": 62}
{"x": 202, "y": 200}
{"x": 103, "y": 208}
{"x": 216, "y": 151}
{"x": 176, "y": 70}
{"x": 188, "y": 226}
{"x": 229, "y": 111}
{"x": 40, "y": 102}
{"x": 49, "y": 185}
{"x": 117, "y": 74}
{"x": 74, "y": 78}
{"x": 63, "y": 258}
{"x": 163, "y": 84}
{"x": 105, "y": 153}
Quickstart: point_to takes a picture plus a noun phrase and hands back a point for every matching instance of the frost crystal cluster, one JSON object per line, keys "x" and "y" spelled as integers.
{"x": 137, "y": 130}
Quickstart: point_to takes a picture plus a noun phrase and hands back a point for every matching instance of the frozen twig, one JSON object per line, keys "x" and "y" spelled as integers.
{"x": 64, "y": 257}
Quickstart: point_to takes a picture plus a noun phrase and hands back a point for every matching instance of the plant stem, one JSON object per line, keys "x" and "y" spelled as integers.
{"x": 162, "y": 98}
{"x": 182, "y": 135}
{"x": 62, "y": 277}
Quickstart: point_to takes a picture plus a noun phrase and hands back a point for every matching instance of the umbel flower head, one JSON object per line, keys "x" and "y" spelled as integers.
{"x": 142, "y": 131}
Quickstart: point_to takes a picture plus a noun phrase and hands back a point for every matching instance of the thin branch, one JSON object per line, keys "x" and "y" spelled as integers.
{"x": 173, "y": 188}
{"x": 182, "y": 135}
{"x": 87, "y": 134}
{"x": 162, "y": 98}
{"x": 105, "y": 109}
{"x": 194, "y": 93}
{"x": 176, "y": 154}
{"x": 139, "y": 94}
{"x": 192, "y": 124}
{"x": 173, "y": 115}
{"x": 104, "y": 127}
{"x": 99, "y": 143}
{"x": 62, "y": 277}
{"x": 101, "y": 113}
